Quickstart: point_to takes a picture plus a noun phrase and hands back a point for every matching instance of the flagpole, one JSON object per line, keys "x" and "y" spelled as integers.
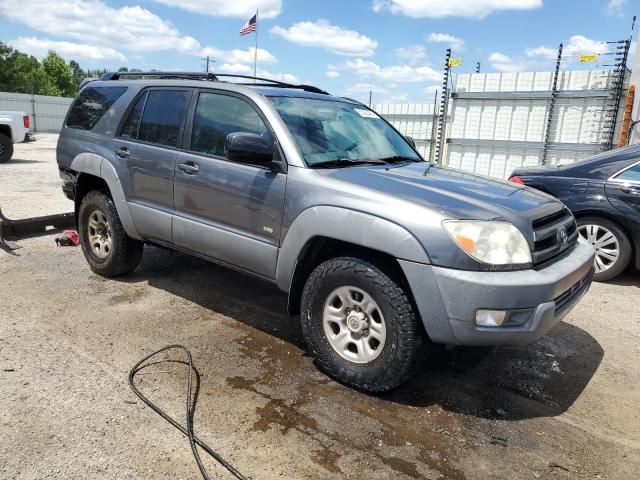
{"x": 255, "y": 53}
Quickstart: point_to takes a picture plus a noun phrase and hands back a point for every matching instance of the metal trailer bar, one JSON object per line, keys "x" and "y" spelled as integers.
{"x": 15, "y": 229}
{"x": 534, "y": 95}
{"x": 442, "y": 123}
{"x": 480, "y": 142}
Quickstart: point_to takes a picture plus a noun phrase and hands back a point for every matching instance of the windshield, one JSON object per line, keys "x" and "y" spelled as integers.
{"x": 334, "y": 133}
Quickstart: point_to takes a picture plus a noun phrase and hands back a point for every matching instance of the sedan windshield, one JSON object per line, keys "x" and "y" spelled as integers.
{"x": 335, "y": 134}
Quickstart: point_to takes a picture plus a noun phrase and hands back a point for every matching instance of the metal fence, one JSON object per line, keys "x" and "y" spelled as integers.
{"x": 47, "y": 113}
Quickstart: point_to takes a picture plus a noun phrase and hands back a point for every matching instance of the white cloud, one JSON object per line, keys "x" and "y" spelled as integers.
{"x": 322, "y": 34}
{"x": 580, "y": 44}
{"x": 411, "y": 55}
{"x": 616, "y": 7}
{"x": 333, "y": 74}
{"x": 455, "y": 43}
{"x": 239, "y": 56}
{"x": 92, "y": 21}
{"x": 243, "y": 69}
{"x": 39, "y": 47}
{"x": 457, "y": 8}
{"x": 394, "y": 73}
{"x": 226, "y": 8}
{"x": 542, "y": 51}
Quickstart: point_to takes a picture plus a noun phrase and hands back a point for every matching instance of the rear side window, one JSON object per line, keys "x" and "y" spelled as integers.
{"x": 91, "y": 105}
{"x": 631, "y": 174}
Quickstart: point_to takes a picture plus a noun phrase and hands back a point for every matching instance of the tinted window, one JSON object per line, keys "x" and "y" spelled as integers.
{"x": 91, "y": 105}
{"x": 632, "y": 174}
{"x": 131, "y": 127}
{"x": 219, "y": 115}
{"x": 162, "y": 118}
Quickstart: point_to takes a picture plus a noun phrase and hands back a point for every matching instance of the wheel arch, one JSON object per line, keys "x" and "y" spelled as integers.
{"x": 95, "y": 170}
{"x": 6, "y": 131}
{"x": 324, "y": 232}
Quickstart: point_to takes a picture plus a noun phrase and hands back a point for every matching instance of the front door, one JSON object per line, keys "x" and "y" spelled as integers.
{"x": 146, "y": 147}
{"x": 229, "y": 211}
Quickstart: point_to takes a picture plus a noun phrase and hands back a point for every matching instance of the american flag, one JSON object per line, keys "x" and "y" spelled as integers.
{"x": 250, "y": 26}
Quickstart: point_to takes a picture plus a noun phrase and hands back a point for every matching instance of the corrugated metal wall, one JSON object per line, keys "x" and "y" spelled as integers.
{"x": 412, "y": 119}
{"x": 499, "y": 120}
{"x": 47, "y": 113}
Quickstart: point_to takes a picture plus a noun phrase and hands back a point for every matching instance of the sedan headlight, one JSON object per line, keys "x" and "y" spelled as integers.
{"x": 491, "y": 242}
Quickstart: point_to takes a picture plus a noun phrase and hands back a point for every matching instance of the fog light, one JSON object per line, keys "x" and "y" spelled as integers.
{"x": 490, "y": 318}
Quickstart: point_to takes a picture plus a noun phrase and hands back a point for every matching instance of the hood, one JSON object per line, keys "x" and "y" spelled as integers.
{"x": 453, "y": 193}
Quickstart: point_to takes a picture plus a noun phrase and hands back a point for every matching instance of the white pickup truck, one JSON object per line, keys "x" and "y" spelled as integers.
{"x": 14, "y": 128}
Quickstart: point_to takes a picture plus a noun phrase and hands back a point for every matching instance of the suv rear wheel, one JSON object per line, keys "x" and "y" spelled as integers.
{"x": 360, "y": 325}
{"x": 107, "y": 247}
{"x": 613, "y": 247}
{"x": 6, "y": 148}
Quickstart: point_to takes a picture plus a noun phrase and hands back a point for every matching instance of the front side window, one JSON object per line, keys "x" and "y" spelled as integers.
{"x": 330, "y": 131}
{"x": 91, "y": 105}
{"x": 219, "y": 115}
{"x": 631, "y": 174}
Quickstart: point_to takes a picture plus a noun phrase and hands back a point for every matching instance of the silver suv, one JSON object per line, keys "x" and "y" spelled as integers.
{"x": 382, "y": 253}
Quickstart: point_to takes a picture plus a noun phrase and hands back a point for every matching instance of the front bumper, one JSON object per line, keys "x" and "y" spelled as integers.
{"x": 448, "y": 299}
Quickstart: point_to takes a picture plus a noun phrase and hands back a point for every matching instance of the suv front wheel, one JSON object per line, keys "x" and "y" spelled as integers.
{"x": 360, "y": 325}
{"x": 107, "y": 247}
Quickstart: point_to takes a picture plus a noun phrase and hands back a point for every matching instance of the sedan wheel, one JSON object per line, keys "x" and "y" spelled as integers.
{"x": 605, "y": 243}
{"x": 611, "y": 244}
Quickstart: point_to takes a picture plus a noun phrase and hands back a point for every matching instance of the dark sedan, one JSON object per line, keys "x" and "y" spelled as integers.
{"x": 603, "y": 192}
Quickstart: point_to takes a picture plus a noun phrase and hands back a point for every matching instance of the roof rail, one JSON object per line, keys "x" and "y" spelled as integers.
{"x": 182, "y": 75}
{"x": 256, "y": 81}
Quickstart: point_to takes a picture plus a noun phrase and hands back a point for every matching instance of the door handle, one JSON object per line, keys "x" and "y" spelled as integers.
{"x": 189, "y": 168}
{"x": 631, "y": 190}
{"x": 122, "y": 152}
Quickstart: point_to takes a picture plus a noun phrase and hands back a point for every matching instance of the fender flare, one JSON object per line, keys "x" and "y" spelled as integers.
{"x": 346, "y": 225}
{"x": 100, "y": 167}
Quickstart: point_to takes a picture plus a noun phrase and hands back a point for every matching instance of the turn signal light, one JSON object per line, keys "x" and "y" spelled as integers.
{"x": 516, "y": 179}
{"x": 26, "y": 121}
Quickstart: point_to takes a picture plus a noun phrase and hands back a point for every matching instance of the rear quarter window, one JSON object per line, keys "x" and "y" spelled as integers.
{"x": 91, "y": 105}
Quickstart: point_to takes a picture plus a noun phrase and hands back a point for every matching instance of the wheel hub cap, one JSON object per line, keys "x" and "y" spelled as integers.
{"x": 354, "y": 325}
{"x": 605, "y": 243}
{"x": 99, "y": 234}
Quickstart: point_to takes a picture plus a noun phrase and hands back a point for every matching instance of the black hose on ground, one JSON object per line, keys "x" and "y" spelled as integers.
{"x": 191, "y": 407}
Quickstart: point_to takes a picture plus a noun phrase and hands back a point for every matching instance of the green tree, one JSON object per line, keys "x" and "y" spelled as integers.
{"x": 58, "y": 76}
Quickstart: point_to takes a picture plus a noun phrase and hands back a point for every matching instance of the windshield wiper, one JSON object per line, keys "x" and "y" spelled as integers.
{"x": 398, "y": 159}
{"x": 345, "y": 162}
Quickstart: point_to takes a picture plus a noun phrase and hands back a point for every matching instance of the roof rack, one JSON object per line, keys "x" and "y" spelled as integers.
{"x": 256, "y": 81}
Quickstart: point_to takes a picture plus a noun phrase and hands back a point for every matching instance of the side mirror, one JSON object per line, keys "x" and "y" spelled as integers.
{"x": 410, "y": 140}
{"x": 248, "y": 148}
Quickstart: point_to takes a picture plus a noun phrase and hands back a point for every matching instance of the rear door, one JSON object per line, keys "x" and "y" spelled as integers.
{"x": 147, "y": 147}
{"x": 226, "y": 210}
{"x": 623, "y": 191}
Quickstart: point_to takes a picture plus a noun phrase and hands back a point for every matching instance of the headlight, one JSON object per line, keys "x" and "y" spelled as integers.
{"x": 491, "y": 242}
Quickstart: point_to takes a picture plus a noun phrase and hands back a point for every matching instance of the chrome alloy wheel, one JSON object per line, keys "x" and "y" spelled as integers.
{"x": 99, "y": 234}
{"x": 605, "y": 244}
{"x": 354, "y": 325}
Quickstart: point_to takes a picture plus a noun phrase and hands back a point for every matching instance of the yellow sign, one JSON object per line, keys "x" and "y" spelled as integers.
{"x": 588, "y": 57}
{"x": 455, "y": 62}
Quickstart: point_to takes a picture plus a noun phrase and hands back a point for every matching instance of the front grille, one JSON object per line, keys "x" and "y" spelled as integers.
{"x": 553, "y": 235}
{"x": 566, "y": 300}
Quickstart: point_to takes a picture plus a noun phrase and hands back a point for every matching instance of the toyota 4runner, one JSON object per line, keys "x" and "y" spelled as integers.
{"x": 381, "y": 252}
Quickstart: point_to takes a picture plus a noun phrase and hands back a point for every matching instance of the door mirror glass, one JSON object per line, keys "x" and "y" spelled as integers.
{"x": 248, "y": 148}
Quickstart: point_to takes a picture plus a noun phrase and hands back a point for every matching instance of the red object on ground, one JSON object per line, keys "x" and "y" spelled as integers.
{"x": 516, "y": 179}
{"x": 68, "y": 238}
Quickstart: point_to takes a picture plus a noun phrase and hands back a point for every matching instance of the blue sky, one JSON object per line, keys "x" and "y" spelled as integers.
{"x": 393, "y": 47}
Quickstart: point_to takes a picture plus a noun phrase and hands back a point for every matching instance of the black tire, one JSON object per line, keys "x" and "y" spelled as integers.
{"x": 405, "y": 335}
{"x": 124, "y": 254}
{"x": 626, "y": 251}
{"x": 6, "y": 148}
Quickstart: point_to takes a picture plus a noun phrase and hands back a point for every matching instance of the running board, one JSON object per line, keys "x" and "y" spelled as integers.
{"x": 15, "y": 229}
